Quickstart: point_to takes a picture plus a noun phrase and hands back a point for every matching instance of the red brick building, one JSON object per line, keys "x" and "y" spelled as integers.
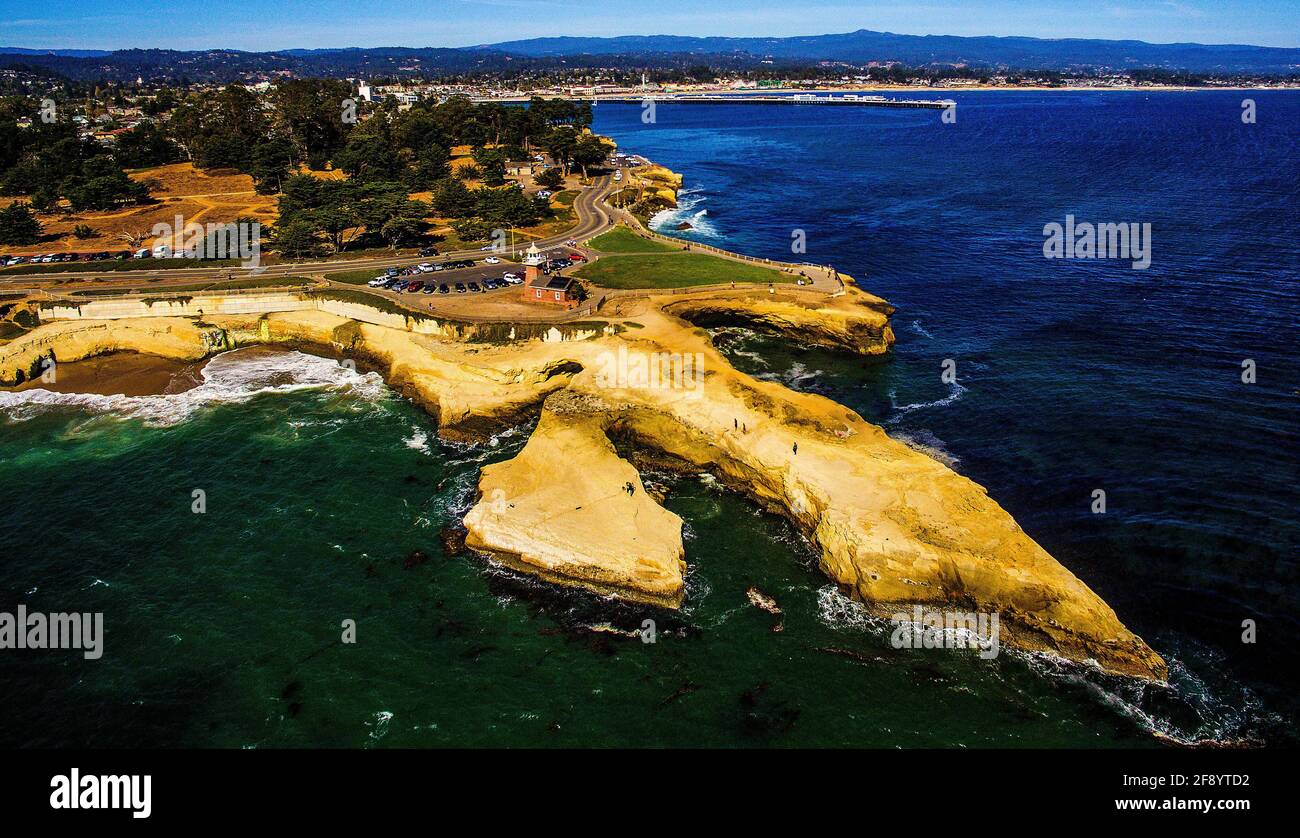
{"x": 553, "y": 289}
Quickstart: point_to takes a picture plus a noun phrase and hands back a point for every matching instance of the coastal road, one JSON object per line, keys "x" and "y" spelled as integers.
{"x": 592, "y": 217}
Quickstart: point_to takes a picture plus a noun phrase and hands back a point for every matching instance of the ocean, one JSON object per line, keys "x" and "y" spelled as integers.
{"x": 328, "y": 498}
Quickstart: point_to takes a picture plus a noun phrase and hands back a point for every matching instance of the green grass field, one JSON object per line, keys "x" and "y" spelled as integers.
{"x": 356, "y": 277}
{"x": 675, "y": 270}
{"x": 150, "y": 264}
{"x": 623, "y": 240}
{"x": 227, "y": 285}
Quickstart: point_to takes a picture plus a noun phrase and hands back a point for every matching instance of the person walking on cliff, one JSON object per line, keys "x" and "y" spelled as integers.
{"x": 796, "y": 448}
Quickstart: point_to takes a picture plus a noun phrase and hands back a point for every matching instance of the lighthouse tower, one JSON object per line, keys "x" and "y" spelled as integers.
{"x": 532, "y": 269}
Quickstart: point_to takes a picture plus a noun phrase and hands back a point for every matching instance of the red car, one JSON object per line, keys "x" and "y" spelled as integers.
{"x": 577, "y": 257}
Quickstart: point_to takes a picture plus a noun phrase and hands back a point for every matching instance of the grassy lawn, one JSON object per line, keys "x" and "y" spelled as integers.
{"x": 675, "y": 270}
{"x": 623, "y": 240}
{"x": 355, "y": 277}
{"x": 116, "y": 265}
{"x": 227, "y": 285}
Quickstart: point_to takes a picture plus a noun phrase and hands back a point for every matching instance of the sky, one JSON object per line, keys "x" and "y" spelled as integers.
{"x": 284, "y": 24}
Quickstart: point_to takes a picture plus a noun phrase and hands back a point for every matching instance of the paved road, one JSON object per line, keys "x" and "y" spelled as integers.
{"x": 592, "y": 217}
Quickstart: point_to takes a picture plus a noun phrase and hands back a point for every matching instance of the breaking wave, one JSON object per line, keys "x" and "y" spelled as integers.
{"x": 229, "y": 378}
{"x": 688, "y": 210}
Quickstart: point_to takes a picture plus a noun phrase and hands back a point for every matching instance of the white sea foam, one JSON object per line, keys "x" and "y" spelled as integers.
{"x": 229, "y": 378}
{"x": 955, "y": 392}
{"x": 688, "y": 209}
{"x": 418, "y": 440}
{"x": 928, "y": 444}
{"x": 797, "y": 377}
{"x": 836, "y": 610}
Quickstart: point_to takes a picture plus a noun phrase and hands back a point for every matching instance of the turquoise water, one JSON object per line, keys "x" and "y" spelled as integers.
{"x": 223, "y": 629}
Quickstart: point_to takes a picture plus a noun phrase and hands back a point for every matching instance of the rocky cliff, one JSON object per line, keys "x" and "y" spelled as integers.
{"x": 892, "y": 526}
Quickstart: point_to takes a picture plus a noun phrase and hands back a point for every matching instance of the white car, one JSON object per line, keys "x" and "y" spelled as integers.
{"x": 425, "y": 267}
{"x": 543, "y": 194}
{"x": 491, "y": 260}
{"x": 377, "y": 281}
{"x": 513, "y": 279}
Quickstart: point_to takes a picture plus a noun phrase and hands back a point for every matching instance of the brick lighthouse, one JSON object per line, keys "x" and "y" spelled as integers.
{"x": 553, "y": 290}
{"x": 532, "y": 267}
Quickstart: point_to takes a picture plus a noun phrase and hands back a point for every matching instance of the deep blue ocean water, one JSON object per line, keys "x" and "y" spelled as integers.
{"x": 1076, "y": 375}
{"x": 324, "y": 488}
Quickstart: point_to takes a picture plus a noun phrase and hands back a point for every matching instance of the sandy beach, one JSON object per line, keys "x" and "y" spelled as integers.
{"x": 121, "y": 374}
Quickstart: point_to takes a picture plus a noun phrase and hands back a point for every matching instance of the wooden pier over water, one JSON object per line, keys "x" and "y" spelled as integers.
{"x": 740, "y": 99}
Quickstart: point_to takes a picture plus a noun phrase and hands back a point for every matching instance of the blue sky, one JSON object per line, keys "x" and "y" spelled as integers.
{"x": 279, "y": 24}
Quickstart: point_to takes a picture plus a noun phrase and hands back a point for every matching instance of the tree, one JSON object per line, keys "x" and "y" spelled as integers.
{"x": 145, "y": 145}
{"x": 368, "y": 156}
{"x": 492, "y": 163}
{"x": 295, "y": 239}
{"x": 402, "y": 228}
{"x": 18, "y": 225}
{"x": 431, "y": 165}
{"x": 560, "y": 143}
{"x": 312, "y": 111}
{"x": 588, "y": 151}
{"x": 271, "y": 164}
{"x": 552, "y": 178}
{"x": 453, "y": 199}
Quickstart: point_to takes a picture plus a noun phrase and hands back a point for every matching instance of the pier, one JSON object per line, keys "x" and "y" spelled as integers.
{"x": 738, "y": 99}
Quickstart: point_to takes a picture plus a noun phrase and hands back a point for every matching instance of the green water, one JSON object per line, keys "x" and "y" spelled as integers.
{"x": 224, "y": 628}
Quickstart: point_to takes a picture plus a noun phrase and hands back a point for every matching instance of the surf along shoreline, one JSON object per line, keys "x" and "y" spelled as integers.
{"x": 893, "y": 527}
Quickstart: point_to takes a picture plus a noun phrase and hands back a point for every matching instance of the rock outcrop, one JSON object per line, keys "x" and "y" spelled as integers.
{"x": 892, "y": 526}
{"x": 857, "y": 322}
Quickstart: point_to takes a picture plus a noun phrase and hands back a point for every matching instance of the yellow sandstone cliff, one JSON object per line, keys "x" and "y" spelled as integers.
{"x": 892, "y": 526}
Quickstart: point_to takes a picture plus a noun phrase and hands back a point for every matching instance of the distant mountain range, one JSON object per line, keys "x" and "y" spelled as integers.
{"x": 663, "y": 51}
{"x": 864, "y": 46}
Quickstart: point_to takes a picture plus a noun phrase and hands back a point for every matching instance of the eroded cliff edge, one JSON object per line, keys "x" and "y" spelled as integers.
{"x": 892, "y": 526}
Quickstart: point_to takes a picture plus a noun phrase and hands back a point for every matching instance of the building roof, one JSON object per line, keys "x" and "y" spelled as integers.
{"x": 555, "y": 283}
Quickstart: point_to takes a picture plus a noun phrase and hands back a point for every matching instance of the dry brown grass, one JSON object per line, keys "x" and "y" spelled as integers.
{"x": 217, "y": 197}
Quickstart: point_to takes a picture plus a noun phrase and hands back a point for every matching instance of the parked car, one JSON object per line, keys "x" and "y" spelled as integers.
{"x": 443, "y": 289}
{"x": 513, "y": 279}
{"x": 142, "y": 253}
{"x": 473, "y": 287}
{"x": 377, "y": 281}
{"x": 391, "y": 271}
{"x": 577, "y": 257}
{"x": 492, "y": 260}
{"x": 122, "y": 254}
{"x": 460, "y": 288}
{"x": 429, "y": 251}
{"x": 425, "y": 267}
{"x": 414, "y": 286}
{"x": 428, "y": 288}
{"x": 543, "y": 194}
